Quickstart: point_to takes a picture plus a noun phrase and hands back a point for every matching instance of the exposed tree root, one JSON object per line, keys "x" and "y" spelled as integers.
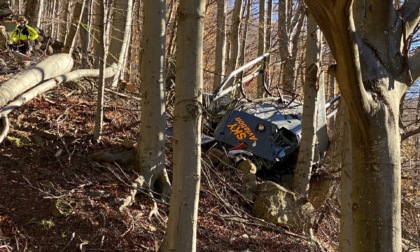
{"x": 141, "y": 185}
{"x": 125, "y": 157}
{"x": 144, "y": 183}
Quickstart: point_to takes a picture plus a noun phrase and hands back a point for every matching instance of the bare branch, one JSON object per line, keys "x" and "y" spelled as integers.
{"x": 415, "y": 65}
{"x": 298, "y": 22}
{"x": 409, "y": 134}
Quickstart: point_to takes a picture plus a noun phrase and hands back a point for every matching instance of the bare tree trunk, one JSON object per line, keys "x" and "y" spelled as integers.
{"x": 54, "y": 9}
{"x": 40, "y": 13}
{"x": 171, "y": 45}
{"x": 289, "y": 31}
{"x": 346, "y": 182}
{"x": 261, "y": 46}
{"x": 244, "y": 33}
{"x": 103, "y": 4}
{"x": 332, "y": 90}
{"x": 373, "y": 71}
{"x": 309, "y": 115}
{"x": 135, "y": 50}
{"x": 120, "y": 33}
{"x": 74, "y": 27}
{"x": 32, "y": 11}
{"x": 96, "y": 27}
{"x": 151, "y": 143}
{"x": 220, "y": 44}
{"x": 268, "y": 31}
{"x": 182, "y": 225}
{"x": 234, "y": 36}
{"x": 85, "y": 33}
{"x": 64, "y": 6}
{"x": 268, "y": 24}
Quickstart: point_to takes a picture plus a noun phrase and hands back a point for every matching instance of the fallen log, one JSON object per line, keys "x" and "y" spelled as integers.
{"x": 45, "y": 86}
{"x": 50, "y": 67}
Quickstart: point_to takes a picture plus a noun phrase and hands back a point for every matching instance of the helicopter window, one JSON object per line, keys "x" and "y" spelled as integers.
{"x": 283, "y": 137}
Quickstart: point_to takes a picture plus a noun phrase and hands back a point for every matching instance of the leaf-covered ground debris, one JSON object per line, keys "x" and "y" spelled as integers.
{"x": 55, "y": 198}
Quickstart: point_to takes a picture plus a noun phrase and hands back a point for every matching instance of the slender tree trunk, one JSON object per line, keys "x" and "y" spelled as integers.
{"x": 54, "y": 9}
{"x": 151, "y": 143}
{"x": 32, "y": 11}
{"x": 220, "y": 44}
{"x": 234, "y": 36}
{"x": 85, "y": 33}
{"x": 120, "y": 33}
{"x": 244, "y": 33}
{"x": 268, "y": 31}
{"x": 268, "y": 24}
{"x": 64, "y": 19}
{"x": 346, "y": 181}
{"x": 261, "y": 46}
{"x": 95, "y": 31}
{"x": 171, "y": 46}
{"x": 289, "y": 31}
{"x": 309, "y": 115}
{"x": 74, "y": 27}
{"x": 40, "y": 14}
{"x": 182, "y": 225}
{"x": 101, "y": 80}
{"x": 332, "y": 90}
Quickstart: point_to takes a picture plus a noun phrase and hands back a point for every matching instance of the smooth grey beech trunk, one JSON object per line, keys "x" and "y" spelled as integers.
{"x": 289, "y": 30}
{"x": 234, "y": 36}
{"x": 103, "y": 12}
{"x": 32, "y": 9}
{"x": 181, "y": 232}
{"x": 374, "y": 70}
{"x": 151, "y": 142}
{"x": 74, "y": 27}
{"x": 244, "y": 33}
{"x": 261, "y": 46}
{"x": 346, "y": 234}
{"x": 220, "y": 57}
{"x": 120, "y": 36}
{"x": 85, "y": 33}
{"x": 305, "y": 160}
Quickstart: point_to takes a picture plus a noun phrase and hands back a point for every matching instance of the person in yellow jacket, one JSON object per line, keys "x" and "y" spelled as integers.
{"x": 22, "y": 36}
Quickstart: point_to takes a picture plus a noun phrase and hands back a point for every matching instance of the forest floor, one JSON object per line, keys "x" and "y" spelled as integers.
{"x": 54, "y": 197}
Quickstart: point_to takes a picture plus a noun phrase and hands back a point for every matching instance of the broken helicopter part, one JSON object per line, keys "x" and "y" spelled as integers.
{"x": 266, "y": 130}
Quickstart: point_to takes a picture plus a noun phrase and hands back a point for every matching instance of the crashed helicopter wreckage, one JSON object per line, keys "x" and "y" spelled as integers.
{"x": 266, "y": 131}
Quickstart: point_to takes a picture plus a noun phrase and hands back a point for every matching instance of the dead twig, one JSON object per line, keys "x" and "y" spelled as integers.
{"x": 69, "y": 242}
